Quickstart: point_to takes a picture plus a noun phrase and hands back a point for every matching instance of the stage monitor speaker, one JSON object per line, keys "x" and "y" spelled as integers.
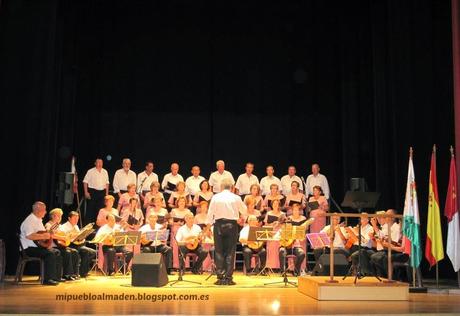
{"x": 322, "y": 267}
{"x": 358, "y": 184}
{"x": 65, "y": 188}
{"x": 148, "y": 270}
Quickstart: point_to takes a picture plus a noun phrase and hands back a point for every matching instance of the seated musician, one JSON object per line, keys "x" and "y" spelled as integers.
{"x": 189, "y": 238}
{"x": 106, "y": 234}
{"x": 295, "y": 197}
{"x": 180, "y": 192}
{"x": 154, "y": 193}
{"x": 108, "y": 209}
{"x": 319, "y": 214}
{"x": 252, "y": 247}
{"x": 70, "y": 256}
{"x": 156, "y": 246}
{"x": 86, "y": 254}
{"x": 159, "y": 210}
{"x": 340, "y": 239}
{"x": 32, "y": 232}
{"x": 293, "y": 246}
{"x": 254, "y": 193}
{"x": 274, "y": 195}
{"x": 367, "y": 233}
{"x": 379, "y": 259}
{"x": 126, "y": 197}
{"x": 132, "y": 216}
{"x": 250, "y": 202}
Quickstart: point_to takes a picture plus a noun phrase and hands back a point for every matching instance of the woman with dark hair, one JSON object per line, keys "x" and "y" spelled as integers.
{"x": 318, "y": 208}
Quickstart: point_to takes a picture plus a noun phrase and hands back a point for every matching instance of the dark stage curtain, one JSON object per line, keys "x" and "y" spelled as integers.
{"x": 351, "y": 85}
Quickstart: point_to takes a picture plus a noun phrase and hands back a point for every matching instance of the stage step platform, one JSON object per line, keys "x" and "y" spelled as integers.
{"x": 365, "y": 289}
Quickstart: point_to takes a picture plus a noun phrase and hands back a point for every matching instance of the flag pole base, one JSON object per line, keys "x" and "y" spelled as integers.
{"x": 418, "y": 290}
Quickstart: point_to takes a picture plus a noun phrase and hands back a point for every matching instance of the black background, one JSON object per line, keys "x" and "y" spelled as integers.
{"x": 349, "y": 84}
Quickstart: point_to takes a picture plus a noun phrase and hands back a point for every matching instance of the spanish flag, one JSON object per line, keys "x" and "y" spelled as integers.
{"x": 434, "y": 251}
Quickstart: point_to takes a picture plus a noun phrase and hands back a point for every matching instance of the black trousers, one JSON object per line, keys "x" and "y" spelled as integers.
{"x": 86, "y": 256}
{"x": 299, "y": 257}
{"x": 379, "y": 261}
{"x": 320, "y": 251}
{"x": 225, "y": 239}
{"x": 247, "y": 255}
{"x": 53, "y": 261}
{"x": 166, "y": 252}
{"x": 199, "y": 251}
{"x": 70, "y": 260}
{"x": 94, "y": 204}
{"x": 110, "y": 252}
{"x": 364, "y": 259}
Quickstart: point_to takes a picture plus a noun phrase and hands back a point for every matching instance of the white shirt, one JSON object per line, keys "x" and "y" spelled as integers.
{"x": 184, "y": 232}
{"x": 225, "y": 205}
{"x": 286, "y": 184}
{"x": 243, "y": 183}
{"x": 172, "y": 179}
{"x": 216, "y": 178}
{"x": 320, "y": 180}
{"x": 146, "y": 180}
{"x": 244, "y": 234}
{"x": 367, "y": 241}
{"x": 30, "y": 225}
{"x": 266, "y": 182}
{"x": 121, "y": 180}
{"x": 395, "y": 231}
{"x": 96, "y": 179}
{"x": 338, "y": 242}
{"x": 192, "y": 184}
{"x": 106, "y": 229}
{"x": 69, "y": 228}
{"x": 147, "y": 228}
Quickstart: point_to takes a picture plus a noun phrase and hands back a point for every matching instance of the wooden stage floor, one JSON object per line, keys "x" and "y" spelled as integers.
{"x": 249, "y": 296}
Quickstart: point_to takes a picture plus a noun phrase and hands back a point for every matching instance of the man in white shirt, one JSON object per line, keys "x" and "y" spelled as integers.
{"x": 224, "y": 211}
{"x": 145, "y": 179}
{"x": 86, "y": 254}
{"x": 30, "y": 232}
{"x": 123, "y": 177}
{"x": 217, "y": 176}
{"x": 317, "y": 179}
{"x": 340, "y": 239}
{"x": 193, "y": 182}
{"x": 96, "y": 187}
{"x": 286, "y": 181}
{"x": 267, "y": 181}
{"x": 186, "y": 234}
{"x": 106, "y": 234}
{"x": 254, "y": 249}
{"x": 170, "y": 180}
{"x": 245, "y": 180}
{"x": 367, "y": 232}
{"x": 156, "y": 246}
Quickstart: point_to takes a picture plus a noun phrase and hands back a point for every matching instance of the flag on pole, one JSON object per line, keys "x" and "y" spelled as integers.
{"x": 434, "y": 250}
{"x": 411, "y": 219}
{"x": 451, "y": 212}
{"x": 74, "y": 171}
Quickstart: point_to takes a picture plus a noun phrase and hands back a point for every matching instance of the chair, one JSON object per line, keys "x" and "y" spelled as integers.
{"x": 22, "y": 262}
{"x": 192, "y": 257}
{"x": 120, "y": 263}
{"x": 290, "y": 259}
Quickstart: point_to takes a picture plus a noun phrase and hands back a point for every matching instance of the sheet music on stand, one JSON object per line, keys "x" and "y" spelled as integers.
{"x": 157, "y": 235}
{"x": 318, "y": 240}
{"x": 289, "y": 231}
{"x": 130, "y": 238}
{"x": 83, "y": 234}
{"x": 264, "y": 233}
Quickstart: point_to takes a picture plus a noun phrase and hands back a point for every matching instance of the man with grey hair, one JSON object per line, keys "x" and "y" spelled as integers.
{"x": 217, "y": 176}
{"x": 123, "y": 177}
{"x": 224, "y": 211}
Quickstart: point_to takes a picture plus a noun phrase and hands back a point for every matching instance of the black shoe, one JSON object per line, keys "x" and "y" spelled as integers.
{"x": 194, "y": 271}
{"x": 264, "y": 273}
{"x": 69, "y": 278}
{"x": 50, "y": 282}
{"x": 219, "y": 282}
{"x": 110, "y": 273}
{"x": 76, "y": 277}
{"x": 170, "y": 272}
{"x": 230, "y": 282}
{"x": 62, "y": 280}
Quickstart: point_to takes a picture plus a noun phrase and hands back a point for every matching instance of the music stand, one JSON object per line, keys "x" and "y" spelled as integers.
{"x": 289, "y": 232}
{"x": 359, "y": 200}
{"x": 130, "y": 238}
{"x": 157, "y": 235}
{"x": 181, "y": 268}
{"x": 258, "y": 234}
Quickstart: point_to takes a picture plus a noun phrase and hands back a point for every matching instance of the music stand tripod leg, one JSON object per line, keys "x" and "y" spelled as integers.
{"x": 181, "y": 271}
